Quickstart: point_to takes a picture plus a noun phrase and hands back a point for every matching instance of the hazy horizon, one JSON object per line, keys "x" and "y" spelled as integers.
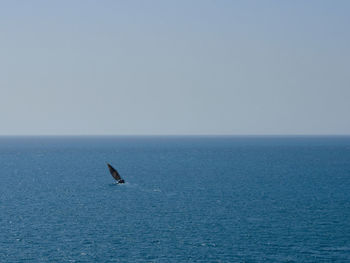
{"x": 232, "y": 68}
{"x": 180, "y": 135}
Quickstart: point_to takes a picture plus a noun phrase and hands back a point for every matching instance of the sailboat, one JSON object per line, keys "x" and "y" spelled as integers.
{"x": 115, "y": 174}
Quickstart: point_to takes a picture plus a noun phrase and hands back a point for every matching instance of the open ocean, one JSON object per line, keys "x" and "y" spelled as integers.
{"x": 187, "y": 199}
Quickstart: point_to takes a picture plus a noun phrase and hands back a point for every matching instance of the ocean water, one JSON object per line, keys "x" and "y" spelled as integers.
{"x": 187, "y": 199}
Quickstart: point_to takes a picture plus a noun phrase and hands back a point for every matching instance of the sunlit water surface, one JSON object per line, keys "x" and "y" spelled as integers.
{"x": 187, "y": 199}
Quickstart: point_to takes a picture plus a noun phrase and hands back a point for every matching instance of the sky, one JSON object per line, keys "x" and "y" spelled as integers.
{"x": 184, "y": 67}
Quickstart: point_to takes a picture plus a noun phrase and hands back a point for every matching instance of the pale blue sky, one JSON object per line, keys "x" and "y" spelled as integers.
{"x": 174, "y": 67}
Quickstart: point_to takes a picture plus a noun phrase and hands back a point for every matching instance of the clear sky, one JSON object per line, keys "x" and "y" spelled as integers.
{"x": 174, "y": 67}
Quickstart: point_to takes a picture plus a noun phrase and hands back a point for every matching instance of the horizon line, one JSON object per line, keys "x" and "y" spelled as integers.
{"x": 174, "y": 135}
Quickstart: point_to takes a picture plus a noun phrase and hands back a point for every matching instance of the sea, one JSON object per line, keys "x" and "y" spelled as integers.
{"x": 186, "y": 199}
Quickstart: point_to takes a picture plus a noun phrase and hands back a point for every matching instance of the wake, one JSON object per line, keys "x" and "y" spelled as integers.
{"x": 137, "y": 187}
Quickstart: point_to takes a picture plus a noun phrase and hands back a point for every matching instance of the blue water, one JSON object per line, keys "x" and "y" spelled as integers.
{"x": 187, "y": 199}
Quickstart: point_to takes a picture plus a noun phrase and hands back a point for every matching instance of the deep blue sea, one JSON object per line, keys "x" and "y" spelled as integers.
{"x": 187, "y": 199}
